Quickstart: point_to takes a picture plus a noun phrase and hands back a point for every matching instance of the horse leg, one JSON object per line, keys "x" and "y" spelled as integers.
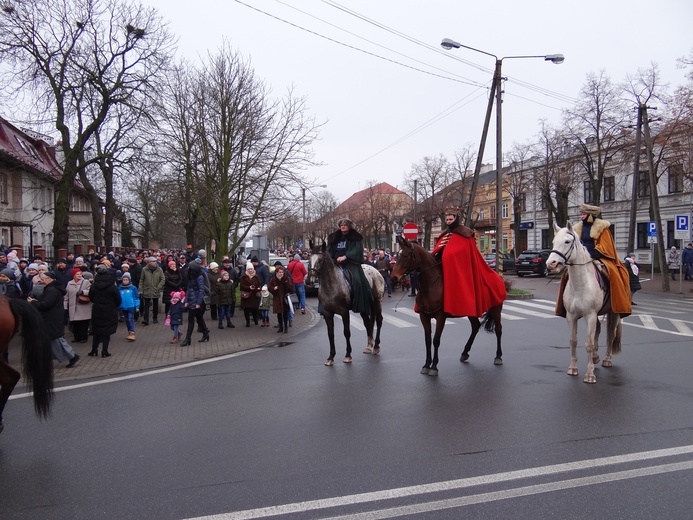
{"x": 476, "y": 325}
{"x": 426, "y": 322}
{"x": 369, "y": 323}
{"x": 572, "y": 326}
{"x": 498, "y": 326}
{"x": 347, "y": 336}
{"x": 595, "y": 348}
{"x": 440, "y": 325}
{"x": 329, "y": 321}
{"x": 378, "y": 316}
{"x": 592, "y": 322}
{"x": 613, "y": 338}
{"x": 9, "y": 378}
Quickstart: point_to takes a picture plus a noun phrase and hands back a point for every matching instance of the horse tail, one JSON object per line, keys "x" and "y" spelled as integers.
{"x": 614, "y": 324}
{"x": 37, "y": 362}
{"x": 488, "y": 323}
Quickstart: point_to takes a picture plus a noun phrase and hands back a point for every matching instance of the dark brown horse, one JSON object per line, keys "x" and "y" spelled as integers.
{"x": 429, "y": 302}
{"x": 37, "y": 363}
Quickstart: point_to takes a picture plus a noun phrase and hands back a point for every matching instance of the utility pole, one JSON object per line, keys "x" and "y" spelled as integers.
{"x": 654, "y": 200}
{"x": 634, "y": 191}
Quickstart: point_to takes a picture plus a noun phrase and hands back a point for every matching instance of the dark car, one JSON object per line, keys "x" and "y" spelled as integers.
{"x": 508, "y": 261}
{"x": 532, "y": 262}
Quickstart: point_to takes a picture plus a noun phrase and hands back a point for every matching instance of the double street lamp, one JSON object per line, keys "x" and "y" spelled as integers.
{"x": 496, "y": 91}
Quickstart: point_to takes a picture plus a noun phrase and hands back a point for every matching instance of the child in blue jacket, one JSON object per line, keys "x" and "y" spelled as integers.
{"x": 175, "y": 314}
{"x": 129, "y": 303}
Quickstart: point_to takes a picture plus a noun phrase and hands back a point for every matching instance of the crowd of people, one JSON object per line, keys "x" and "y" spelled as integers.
{"x": 90, "y": 295}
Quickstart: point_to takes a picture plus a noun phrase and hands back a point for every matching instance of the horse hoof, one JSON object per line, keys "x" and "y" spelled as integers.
{"x": 368, "y": 350}
{"x": 590, "y": 379}
{"x": 464, "y": 358}
{"x": 595, "y": 360}
{"x": 347, "y": 359}
{"x": 433, "y": 372}
{"x": 376, "y": 351}
{"x": 572, "y": 371}
{"x": 606, "y": 363}
{"x": 329, "y": 363}
{"x": 425, "y": 371}
{"x": 498, "y": 361}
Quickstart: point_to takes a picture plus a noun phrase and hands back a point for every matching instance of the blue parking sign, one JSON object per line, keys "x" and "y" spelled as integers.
{"x": 682, "y": 230}
{"x": 651, "y": 229}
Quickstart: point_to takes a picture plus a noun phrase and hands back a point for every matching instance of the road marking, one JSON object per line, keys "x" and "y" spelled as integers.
{"x": 682, "y": 327}
{"x": 495, "y": 478}
{"x": 397, "y": 322}
{"x": 530, "y": 313}
{"x": 143, "y": 374}
{"x": 549, "y": 306}
{"x": 647, "y": 320}
{"x": 510, "y": 317}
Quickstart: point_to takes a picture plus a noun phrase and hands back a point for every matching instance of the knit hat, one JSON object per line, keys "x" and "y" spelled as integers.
{"x": 179, "y": 295}
{"x": 151, "y": 259}
{"x": 172, "y": 264}
{"x": 297, "y": 257}
{"x": 79, "y": 259}
{"x": 264, "y": 291}
{"x": 101, "y": 268}
{"x": 87, "y": 275}
{"x": 106, "y": 262}
{"x": 202, "y": 252}
{"x": 249, "y": 267}
{"x": 127, "y": 275}
{"x": 254, "y": 259}
{"x": 32, "y": 266}
{"x": 213, "y": 265}
{"x": 9, "y": 272}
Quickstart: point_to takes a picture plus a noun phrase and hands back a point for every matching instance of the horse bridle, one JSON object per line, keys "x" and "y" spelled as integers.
{"x": 569, "y": 253}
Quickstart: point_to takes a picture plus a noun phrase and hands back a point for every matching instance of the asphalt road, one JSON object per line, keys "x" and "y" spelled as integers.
{"x": 274, "y": 433}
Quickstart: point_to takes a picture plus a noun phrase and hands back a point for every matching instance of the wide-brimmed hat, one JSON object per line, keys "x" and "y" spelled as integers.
{"x": 346, "y": 221}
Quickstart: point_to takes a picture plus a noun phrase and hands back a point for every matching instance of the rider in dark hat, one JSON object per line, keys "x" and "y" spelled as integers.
{"x": 345, "y": 246}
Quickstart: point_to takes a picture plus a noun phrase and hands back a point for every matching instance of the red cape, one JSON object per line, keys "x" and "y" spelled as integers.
{"x": 471, "y": 287}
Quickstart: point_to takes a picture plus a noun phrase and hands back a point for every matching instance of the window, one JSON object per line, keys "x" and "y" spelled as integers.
{"x": 641, "y": 234}
{"x": 3, "y": 188}
{"x": 545, "y": 239}
{"x": 481, "y": 214}
{"x": 643, "y": 184}
{"x": 522, "y": 201}
{"x": 587, "y": 192}
{"x": 543, "y": 201}
{"x": 34, "y": 194}
{"x": 493, "y": 212}
{"x": 609, "y": 188}
{"x": 504, "y": 211}
{"x": 675, "y": 178}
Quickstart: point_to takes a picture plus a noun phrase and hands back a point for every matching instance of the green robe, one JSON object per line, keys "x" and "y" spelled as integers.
{"x": 362, "y": 295}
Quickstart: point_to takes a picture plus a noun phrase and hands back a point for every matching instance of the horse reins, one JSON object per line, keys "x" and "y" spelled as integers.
{"x": 568, "y": 253}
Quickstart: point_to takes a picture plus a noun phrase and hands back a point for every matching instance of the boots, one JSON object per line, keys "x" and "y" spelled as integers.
{"x": 205, "y": 336}
{"x": 185, "y": 342}
{"x": 221, "y": 325}
{"x": 105, "y": 353}
{"x": 131, "y": 336}
{"x": 94, "y": 352}
{"x": 230, "y": 325}
{"x": 174, "y": 340}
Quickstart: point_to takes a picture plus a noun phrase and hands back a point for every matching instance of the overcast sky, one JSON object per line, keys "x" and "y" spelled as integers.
{"x": 380, "y": 116}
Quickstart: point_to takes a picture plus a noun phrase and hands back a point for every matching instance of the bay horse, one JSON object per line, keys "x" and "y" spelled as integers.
{"x": 584, "y": 297}
{"x": 429, "y": 302}
{"x": 37, "y": 362}
{"x": 334, "y": 298}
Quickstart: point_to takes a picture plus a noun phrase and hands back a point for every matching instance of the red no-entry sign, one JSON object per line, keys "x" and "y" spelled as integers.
{"x": 410, "y": 231}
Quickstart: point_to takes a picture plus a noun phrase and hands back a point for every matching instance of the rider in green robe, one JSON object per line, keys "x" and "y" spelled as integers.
{"x": 345, "y": 246}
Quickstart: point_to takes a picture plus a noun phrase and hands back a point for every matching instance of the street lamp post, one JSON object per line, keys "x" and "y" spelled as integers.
{"x": 496, "y": 92}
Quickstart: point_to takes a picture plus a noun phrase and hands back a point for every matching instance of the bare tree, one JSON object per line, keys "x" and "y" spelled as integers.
{"x": 520, "y": 159}
{"x": 595, "y": 126}
{"x": 62, "y": 51}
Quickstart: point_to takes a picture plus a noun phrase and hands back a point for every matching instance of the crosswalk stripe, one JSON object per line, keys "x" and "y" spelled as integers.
{"x": 397, "y": 322}
{"x": 354, "y": 321}
{"x": 530, "y": 313}
{"x": 647, "y": 321}
{"x": 529, "y": 303}
{"x": 650, "y": 307}
{"x": 682, "y": 327}
{"x": 510, "y": 317}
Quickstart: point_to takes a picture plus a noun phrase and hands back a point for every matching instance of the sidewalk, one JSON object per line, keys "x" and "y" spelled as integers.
{"x": 153, "y": 349}
{"x": 654, "y": 286}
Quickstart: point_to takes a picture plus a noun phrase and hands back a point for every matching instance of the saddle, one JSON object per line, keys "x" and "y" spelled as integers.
{"x": 346, "y": 274}
{"x": 602, "y": 274}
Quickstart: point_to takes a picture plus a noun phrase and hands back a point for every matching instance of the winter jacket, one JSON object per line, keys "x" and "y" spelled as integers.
{"x": 298, "y": 271}
{"x": 173, "y": 282}
{"x": 280, "y": 289}
{"x": 151, "y": 282}
{"x": 105, "y": 300}
{"x": 175, "y": 312}
{"x": 129, "y": 297}
{"x": 50, "y": 304}
{"x": 195, "y": 292}
{"x": 266, "y": 302}
{"x": 251, "y": 285}
{"x": 687, "y": 255}
{"x": 77, "y": 311}
{"x": 224, "y": 292}
{"x": 214, "y": 278}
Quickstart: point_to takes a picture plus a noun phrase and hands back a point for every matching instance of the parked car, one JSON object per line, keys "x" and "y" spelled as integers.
{"x": 532, "y": 262}
{"x": 508, "y": 261}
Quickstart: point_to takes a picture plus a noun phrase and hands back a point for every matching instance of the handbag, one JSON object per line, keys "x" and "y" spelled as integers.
{"x": 83, "y": 298}
{"x": 246, "y": 294}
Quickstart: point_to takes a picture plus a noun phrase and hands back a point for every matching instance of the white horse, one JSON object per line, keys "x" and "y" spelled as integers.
{"x": 584, "y": 297}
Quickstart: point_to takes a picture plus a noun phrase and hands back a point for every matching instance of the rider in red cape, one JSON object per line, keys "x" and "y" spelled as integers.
{"x": 471, "y": 287}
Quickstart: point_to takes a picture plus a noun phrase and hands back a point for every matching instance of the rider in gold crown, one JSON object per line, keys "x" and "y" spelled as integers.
{"x": 595, "y": 236}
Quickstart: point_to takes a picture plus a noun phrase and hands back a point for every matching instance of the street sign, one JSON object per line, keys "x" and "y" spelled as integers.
{"x": 652, "y": 239}
{"x": 683, "y": 229}
{"x": 652, "y": 231}
{"x": 410, "y": 231}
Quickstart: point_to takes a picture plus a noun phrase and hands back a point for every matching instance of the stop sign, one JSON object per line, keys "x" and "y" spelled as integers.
{"x": 410, "y": 231}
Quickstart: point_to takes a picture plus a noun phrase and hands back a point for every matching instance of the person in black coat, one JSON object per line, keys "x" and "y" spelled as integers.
{"x": 194, "y": 302}
{"x": 50, "y": 303}
{"x": 105, "y": 300}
